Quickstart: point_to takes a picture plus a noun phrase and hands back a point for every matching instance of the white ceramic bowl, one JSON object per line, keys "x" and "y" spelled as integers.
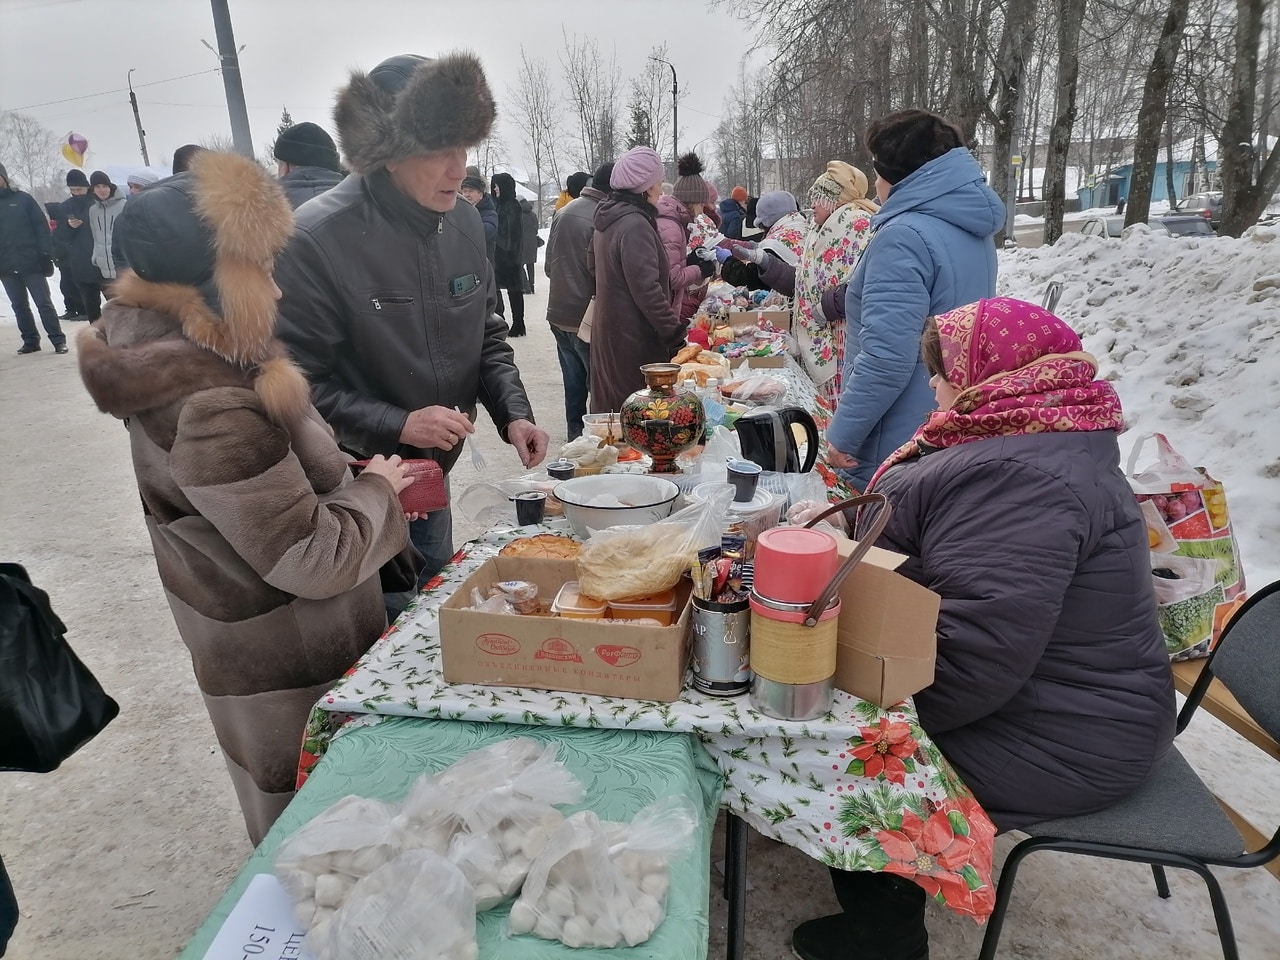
{"x": 640, "y": 500}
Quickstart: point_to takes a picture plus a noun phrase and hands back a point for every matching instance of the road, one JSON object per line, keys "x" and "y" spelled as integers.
{"x": 1032, "y": 234}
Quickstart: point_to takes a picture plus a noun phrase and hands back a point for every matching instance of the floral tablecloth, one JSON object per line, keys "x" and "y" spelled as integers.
{"x": 862, "y": 788}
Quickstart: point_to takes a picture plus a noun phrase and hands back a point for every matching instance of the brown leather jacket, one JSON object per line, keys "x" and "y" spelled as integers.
{"x": 389, "y": 307}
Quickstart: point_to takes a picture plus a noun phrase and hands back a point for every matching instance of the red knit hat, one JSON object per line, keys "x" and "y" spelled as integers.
{"x": 739, "y": 193}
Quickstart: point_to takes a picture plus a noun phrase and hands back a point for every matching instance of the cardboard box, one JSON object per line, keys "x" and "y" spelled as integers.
{"x": 610, "y": 658}
{"x": 763, "y": 363}
{"x": 887, "y": 640}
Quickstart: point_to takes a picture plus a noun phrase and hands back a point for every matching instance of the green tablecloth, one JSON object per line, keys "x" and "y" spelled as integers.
{"x": 622, "y": 770}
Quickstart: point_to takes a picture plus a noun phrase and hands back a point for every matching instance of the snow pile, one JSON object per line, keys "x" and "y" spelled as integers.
{"x": 1189, "y": 332}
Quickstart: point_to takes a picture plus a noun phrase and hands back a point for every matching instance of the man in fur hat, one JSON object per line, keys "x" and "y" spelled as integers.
{"x": 389, "y": 298}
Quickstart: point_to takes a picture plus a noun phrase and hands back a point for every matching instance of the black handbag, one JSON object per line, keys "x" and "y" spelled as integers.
{"x": 50, "y": 704}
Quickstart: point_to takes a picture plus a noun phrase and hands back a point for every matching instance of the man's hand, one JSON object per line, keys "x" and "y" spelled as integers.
{"x": 840, "y": 460}
{"x": 74, "y": 223}
{"x": 437, "y": 427}
{"x": 529, "y": 440}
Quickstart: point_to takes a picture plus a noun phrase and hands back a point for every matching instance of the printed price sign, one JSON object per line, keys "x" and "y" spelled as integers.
{"x": 261, "y": 926}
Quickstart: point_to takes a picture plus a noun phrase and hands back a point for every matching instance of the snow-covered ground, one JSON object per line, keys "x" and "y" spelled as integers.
{"x": 1189, "y": 332}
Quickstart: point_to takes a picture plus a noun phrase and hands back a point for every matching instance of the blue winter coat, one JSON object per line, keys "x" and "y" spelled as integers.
{"x": 1052, "y": 694}
{"x": 731, "y": 218}
{"x": 932, "y": 252}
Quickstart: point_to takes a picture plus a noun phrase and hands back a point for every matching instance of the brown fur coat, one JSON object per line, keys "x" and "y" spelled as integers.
{"x": 267, "y": 549}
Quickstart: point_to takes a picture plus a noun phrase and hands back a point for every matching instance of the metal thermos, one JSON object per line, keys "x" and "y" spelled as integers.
{"x": 794, "y": 663}
{"x": 721, "y": 647}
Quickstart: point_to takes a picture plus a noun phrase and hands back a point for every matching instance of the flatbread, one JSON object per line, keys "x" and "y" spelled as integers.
{"x": 546, "y": 545}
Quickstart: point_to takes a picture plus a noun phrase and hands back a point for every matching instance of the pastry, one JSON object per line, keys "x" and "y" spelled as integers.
{"x": 546, "y": 545}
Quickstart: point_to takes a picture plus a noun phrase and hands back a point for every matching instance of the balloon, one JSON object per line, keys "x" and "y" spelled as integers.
{"x": 72, "y": 156}
{"x": 78, "y": 143}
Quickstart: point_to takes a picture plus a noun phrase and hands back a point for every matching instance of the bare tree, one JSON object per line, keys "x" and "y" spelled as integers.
{"x": 1151, "y": 115}
{"x": 738, "y": 140}
{"x": 29, "y": 150}
{"x": 489, "y": 153}
{"x": 651, "y": 93}
{"x": 219, "y": 141}
{"x": 537, "y": 111}
{"x": 593, "y": 90}
{"x": 1247, "y": 180}
{"x": 1070, "y": 23}
{"x": 1015, "y": 51}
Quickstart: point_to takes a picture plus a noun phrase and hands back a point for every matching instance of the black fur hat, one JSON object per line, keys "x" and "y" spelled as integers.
{"x": 408, "y": 105}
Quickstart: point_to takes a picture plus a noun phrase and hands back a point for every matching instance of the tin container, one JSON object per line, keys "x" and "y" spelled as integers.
{"x": 721, "y": 647}
{"x": 795, "y": 665}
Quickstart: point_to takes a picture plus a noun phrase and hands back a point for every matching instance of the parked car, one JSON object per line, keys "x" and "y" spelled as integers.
{"x": 1171, "y": 224}
{"x": 1206, "y": 205}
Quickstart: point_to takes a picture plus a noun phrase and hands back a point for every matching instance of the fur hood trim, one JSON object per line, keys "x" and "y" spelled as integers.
{"x": 160, "y": 355}
{"x": 444, "y": 102}
{"x": 251, "y": 221}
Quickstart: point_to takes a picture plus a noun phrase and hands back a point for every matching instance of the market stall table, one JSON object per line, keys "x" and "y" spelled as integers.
{"x": 862, "y": 788}
{"x": 622, "y": 772}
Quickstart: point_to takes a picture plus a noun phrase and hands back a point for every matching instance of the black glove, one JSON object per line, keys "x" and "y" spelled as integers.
{"x": 833, "y": 303}
{"x": 47, "y": 267}
{"x": 708, "y": 268}
{"x": 693, "y": 260}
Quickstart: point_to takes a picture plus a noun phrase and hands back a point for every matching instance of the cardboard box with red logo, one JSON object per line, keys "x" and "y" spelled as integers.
{"x": 605, "y": 657}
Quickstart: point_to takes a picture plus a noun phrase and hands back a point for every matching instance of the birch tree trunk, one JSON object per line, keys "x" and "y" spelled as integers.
{"x": 1155, "y": 96}
{"x": 1070, "y": 23}
{"x": 1243, "y": 199}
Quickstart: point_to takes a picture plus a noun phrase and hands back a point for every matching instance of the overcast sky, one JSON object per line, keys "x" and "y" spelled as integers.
{"x": 297, "y": 52}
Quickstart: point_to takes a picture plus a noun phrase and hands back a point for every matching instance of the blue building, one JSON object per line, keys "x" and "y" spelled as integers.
{"x": 1109, "y": 189}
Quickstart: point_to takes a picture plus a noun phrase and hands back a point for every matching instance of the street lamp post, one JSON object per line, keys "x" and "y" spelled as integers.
{"x": 137, "y": 118}
{"x": 675, "y": 106}
{"x": 229, "y": 59}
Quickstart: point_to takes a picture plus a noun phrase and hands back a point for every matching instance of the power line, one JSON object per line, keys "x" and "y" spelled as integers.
{"x": 106, "y": 93}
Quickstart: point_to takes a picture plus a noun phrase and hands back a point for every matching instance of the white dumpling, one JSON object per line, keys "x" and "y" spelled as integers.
{"x": 523, "y": 918}
{"x": 330, "y": 890}
{"x": 577, "y": 932}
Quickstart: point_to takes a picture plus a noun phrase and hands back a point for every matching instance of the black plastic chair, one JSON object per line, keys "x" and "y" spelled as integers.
{"x": 1173, "y": 820}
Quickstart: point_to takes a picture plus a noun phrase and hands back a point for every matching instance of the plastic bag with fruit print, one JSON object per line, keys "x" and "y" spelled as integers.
{"x": 1195, "y": 561}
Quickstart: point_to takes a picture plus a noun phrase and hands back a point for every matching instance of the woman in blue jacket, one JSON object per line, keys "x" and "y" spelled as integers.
{"x": 931, "y": 251}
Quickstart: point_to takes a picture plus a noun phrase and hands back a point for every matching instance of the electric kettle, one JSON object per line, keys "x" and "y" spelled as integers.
{"x": 768, "y": 437}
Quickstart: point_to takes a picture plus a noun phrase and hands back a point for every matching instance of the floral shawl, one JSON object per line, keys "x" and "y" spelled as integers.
{"x": 831, "y": 251}
{"x": 1019, "y": 370}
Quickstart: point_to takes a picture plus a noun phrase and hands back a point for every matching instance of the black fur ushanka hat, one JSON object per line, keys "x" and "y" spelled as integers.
{"x": 409, "y": 105}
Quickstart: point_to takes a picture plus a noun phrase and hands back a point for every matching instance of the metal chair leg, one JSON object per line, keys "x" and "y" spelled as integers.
{"x": 1004, "y": 893}
{"x": 1162, "y": 881}
{"x": 736, "y": 868}
{"x": 1221, "y": 915}
{"x": 727, "y": 887}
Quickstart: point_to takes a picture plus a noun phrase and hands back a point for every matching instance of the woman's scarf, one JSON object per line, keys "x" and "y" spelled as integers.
{"x": 1019, "y": 370}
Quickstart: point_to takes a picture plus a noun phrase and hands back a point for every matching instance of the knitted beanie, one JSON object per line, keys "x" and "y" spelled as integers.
{"x": 739, "y": 193}
{"x": 773, "y": 206}
{"x": 141, "y": 179}
{"x": 575, "y": 182}
{"x": 76, "y": 178}
{"x": 903, "y": 142}
{"x": 307, "y": 145}
{"x": 636, "y": 170}
{"x": 690, "y": 187}
{"x": 474, "y": 182}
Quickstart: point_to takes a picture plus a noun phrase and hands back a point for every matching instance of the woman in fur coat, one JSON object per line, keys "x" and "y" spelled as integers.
{"x": 268, "y": 550}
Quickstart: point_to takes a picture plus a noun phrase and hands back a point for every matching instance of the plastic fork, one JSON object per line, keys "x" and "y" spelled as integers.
{"x": 478, "y": 461}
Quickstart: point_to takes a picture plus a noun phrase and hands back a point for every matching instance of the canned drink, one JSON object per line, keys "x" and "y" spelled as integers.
{"x": 721, "y": 647}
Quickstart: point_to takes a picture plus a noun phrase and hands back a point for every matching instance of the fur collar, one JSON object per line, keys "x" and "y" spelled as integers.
{"x": 160, "y": 342}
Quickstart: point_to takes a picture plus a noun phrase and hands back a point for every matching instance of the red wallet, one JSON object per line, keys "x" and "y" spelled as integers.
{"x": 427, "y": 493}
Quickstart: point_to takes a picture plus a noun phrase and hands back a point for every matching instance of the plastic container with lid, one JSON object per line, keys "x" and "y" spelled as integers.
{"x": 572, "y": 603}
{"x": 660, "y": 607}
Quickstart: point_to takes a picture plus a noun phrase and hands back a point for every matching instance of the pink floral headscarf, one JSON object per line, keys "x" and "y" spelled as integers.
{"x": 1019, "y": 370}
